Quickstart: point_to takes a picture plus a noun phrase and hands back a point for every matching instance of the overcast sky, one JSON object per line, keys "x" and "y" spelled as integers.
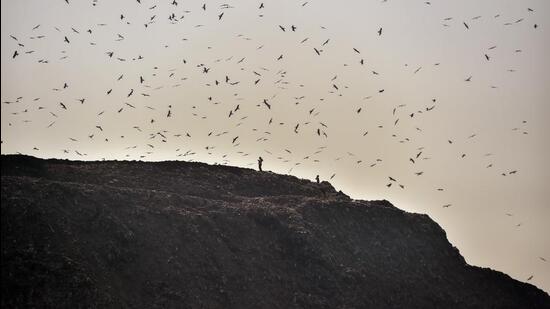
{"x": 361, "y": 107}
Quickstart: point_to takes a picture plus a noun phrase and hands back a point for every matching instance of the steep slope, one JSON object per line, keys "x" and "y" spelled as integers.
{"x": 191, "y": 235}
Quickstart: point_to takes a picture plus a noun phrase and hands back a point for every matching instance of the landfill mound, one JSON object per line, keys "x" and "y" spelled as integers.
{"x": 122, "y": 234}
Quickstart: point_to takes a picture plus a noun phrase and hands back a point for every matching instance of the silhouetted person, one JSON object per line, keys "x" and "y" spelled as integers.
{"x": 317, "y": 178}
{"x": 260, "y": 160}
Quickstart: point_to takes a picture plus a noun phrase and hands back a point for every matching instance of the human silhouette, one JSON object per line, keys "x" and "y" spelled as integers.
{"x": 317, "y": 178}
{"x": 260, "y": 160}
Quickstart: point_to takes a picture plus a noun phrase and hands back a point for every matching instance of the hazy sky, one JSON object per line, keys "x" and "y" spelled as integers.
{"x": 498, "y": 120}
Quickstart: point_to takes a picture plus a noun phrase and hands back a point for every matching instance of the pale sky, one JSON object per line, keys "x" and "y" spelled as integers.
{"x": 498, "y": 119}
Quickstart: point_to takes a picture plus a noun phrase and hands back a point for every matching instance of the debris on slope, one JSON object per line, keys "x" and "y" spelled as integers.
{"x": 191, "y": 235}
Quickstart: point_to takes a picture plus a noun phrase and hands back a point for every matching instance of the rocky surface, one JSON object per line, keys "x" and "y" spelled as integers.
{"x": 191, "y": 235}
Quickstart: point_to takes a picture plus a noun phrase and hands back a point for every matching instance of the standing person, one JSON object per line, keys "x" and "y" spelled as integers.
{"x": 260, "y": 160}
{"x": 317, "y": 178}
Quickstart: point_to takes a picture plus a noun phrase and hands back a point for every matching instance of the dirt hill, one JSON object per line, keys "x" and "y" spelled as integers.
{"x": 191, "y": 235}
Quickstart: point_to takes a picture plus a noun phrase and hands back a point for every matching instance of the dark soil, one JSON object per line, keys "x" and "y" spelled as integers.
{"x": 191, "y": 235}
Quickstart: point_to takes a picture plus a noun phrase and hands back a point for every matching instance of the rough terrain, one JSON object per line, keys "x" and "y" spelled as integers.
{"x": 191, "y": 235}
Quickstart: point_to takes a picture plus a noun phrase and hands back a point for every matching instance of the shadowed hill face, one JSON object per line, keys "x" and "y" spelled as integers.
{"x": 190, "y": 235}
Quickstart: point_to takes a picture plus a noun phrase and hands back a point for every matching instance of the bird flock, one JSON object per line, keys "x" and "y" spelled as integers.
{"x": 249, "y": 103}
